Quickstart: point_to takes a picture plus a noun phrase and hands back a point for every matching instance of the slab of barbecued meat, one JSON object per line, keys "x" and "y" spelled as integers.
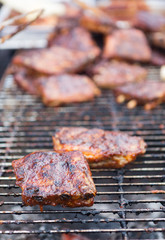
{"x": 150, "y": 22}
{"x": 55, "y": 60}
{"x": 129, "y": 44}
{"x": 71, "y": 17}
{"x": 97, "y": 23}
{"x": 65, "y": 88}
{"x": 158, "y": 39}
{"x": 101, "y": 148}
{"x": 112, "y": 74}
{"x": 158, "y": 58}
{"x": 27, "y": 79}
{"x": 77, "y": 38}
{"x": 147, "y": 93}
{"x": 51, "y": 178}
{"x": 123, "y": 9}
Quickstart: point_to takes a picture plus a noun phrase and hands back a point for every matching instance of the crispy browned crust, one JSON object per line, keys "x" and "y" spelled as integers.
{"x": 114, "y": 73}
{"x": 55, "y": 60}
{"x": 51, "y": 178}
{"x": 77, "y": 38}
{"x": 129, "y": 44}
{"x": 124, "y": 9}
{"x": 93, "y": 23}
{"x": 63, "y": 89}
{"x": 101, "y": 148}
{"x": 148, "y": 92}
{"x": 149, "y": 21}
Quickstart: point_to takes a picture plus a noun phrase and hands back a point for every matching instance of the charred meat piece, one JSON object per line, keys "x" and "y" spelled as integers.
{"x": 71, "y": 17}
{"x": 27, "y": 80}
{"x": 55, "y": 60}
{"x": 150, "y": 22}
{"x": 62, "y": 89}
{"x": 157, "y": 58}
{"x": 77, "y": 38}
{"x": 123, "y": 9}
{"x": 101, "y": 148}
{"x": 113, "y": 74}
{"x": 158, "y": 39}
{"x": 129, "y": 44}
{"x": 73, "y": 237}
{"x": 50, "y": 178}
{"x": 147, "y": 93}
{"x": 98, "y": 24}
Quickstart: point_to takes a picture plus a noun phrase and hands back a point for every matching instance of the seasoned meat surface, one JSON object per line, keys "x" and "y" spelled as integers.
{"x": 114, "y": 73}
{"x": 51, "y": 178}
{"x": 101, "y": 148}
{"x": 27, "y": 80}
{"x": 124, "y": 9}
{"x": 129, "y": 44}
{"x": 55, "y": 60}
{"x": 151, "y": 93}
{"x": 97, "y": 24}
{"x": 77, "y": 38}
{"x": 150, "y": 22}
{"x": 65, "y": 88}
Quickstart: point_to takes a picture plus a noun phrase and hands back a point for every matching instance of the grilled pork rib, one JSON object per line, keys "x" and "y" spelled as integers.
{"x": 128, "y": 44}
{"x": 101, "y": 148}
{"x": 114, "y": 73}
{"x": 51, "y": 178}
{"x": 149, "y": 93}
{"x": 63, "y": 89}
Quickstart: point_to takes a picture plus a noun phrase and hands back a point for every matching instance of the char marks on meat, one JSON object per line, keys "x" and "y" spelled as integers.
{"x": 128, "y": 44}
{"x": 150, "y": 93}
{"x": 77, "y": 38}
{"x": 55, "y": 60}
{"x": 150, "y": 22}
{"x": 114, "y": 73}
{"x": 62, "y": 89}
{"x": 51, "y": 178}
{"x": 97, "y": 23}
{"x": 101, "y": 148}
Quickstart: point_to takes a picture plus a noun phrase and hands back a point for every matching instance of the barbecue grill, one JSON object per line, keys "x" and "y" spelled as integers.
{"x": 130, "y": 202}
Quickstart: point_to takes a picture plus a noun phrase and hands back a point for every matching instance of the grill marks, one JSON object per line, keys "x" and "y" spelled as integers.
{"x": 148, "y": 93}
{"x": 101, "y": 148}
{"x": 112, "y": 74}
{"x": 50, "y": 178}
{"x": 62, "y": 89}
{"x": 128, "y": 44}
{"x": 55, "y": 60}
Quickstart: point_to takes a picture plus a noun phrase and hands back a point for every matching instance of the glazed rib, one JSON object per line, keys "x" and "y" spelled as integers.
{"x": 51, "y": 178}
{"x": 55, "y": 60}
{"x": 101, "y": 148}
{"x": 148, "y": 93}
{"x": 65, "y": 88}
{"x": 77, "y": 38}
{"x": 128, "y": 44}
{"x": 114, "y": 73}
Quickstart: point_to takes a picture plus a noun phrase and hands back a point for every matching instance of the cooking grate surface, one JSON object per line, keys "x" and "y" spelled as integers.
{"x": 130, "y": 202}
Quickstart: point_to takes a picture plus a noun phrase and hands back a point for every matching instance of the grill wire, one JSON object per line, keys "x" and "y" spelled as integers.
{"x": 130, "y": 202}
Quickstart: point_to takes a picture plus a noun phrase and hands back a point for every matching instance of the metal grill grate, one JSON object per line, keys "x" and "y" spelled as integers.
{"x": 130, "y": 201}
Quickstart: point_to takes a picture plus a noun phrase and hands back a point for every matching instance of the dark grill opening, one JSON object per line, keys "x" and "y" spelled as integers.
{"x": 130, "y": 202}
